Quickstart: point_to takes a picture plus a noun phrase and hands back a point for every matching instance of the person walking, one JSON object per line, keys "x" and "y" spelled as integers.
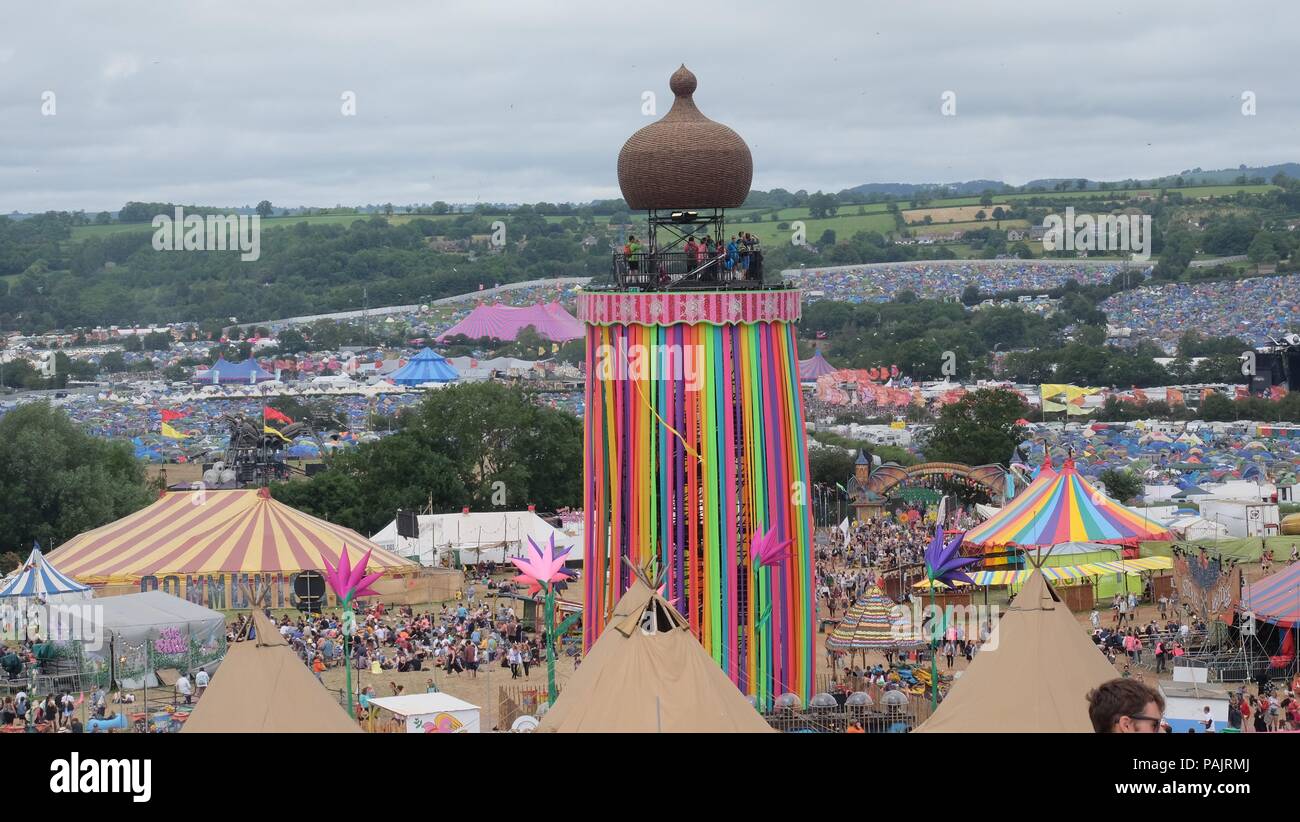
{"x": 201, "y": 682}
{"x": 185, "y": 689}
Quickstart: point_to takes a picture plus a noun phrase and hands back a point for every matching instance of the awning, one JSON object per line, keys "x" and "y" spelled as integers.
{"x": 1067, "y": 572}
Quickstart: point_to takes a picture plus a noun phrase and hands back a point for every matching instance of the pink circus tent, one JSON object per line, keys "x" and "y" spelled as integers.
{"x": 504, "y": 322}
{"x": 814, "y": 367}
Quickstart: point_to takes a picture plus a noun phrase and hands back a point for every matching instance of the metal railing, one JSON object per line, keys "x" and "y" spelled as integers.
{"x": 649, "y": 270}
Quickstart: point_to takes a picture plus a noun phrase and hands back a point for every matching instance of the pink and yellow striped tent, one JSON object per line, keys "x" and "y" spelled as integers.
{"x": 214, "y": 532}
{"x": 1062, "y": 507}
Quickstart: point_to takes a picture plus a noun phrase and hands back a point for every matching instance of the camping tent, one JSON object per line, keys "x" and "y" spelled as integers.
{"x": 427, "y": 366}
{"x": 263, "y": 687}
{"x": 37, "y": 580}
{"x": 1064, "y": 507}
{"x": 1032, "y": 676}
{"x": 647, "y": 673}
{"x": 190, "y": 535}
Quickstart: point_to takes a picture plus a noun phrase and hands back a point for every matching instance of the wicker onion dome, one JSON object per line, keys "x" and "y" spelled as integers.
{"x": 684, "y": 159}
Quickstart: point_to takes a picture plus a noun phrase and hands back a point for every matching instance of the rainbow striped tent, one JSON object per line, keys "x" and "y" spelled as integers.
{"x": 1064, "y": 507}
{"x": 868, "y": 625}
{"x": 193, "y": 533}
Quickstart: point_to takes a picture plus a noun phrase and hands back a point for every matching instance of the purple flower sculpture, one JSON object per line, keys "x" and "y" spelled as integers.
{"x": 943, "y": 563}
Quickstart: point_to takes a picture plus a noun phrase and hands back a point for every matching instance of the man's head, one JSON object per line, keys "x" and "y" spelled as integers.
{"x": 1125, "y": 706}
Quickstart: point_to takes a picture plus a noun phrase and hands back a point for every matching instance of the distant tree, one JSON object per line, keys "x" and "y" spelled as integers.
{"x": 1121, "y": 483}
{"x": 980, "y": 215}
{"x": 986, "y": 199}
{"x": 113, "y": 362}
{"x": 828, "y": 466}
{"x": 827, "y": 238}
{"x": 388, "y": 209}
{"x": 978, "y": 429}
{"x": 1217, "y": 408}
{"x": 264, "y": 209}
{"x": 103, "y": 218}
{"x": 59, "y": 481}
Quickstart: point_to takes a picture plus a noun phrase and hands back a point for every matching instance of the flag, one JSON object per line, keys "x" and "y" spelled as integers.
{"x": 275, "y": 414}
{"x": 169, "y": 415}
{"x": 168, "y": 431}
{"x": 266, "y": 429}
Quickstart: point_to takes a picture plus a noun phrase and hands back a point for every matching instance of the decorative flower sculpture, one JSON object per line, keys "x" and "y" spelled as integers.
{"x": 764, "y": 549}
{"x": 545, "y": 566}
{"x": 347, "y": 582}
{"x": 942, "y": 561}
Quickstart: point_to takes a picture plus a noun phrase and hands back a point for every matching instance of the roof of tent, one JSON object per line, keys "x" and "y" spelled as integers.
{"x": 869, "y": 625}
{"x": 139, "y": 614}
{"x": 263, "y": 687}
{"x": 427, "y": 366}
{"x": 38, "y": 577}
{"x": 1064, "y": 507}
{"x": 638, "y": 681}
{"x": 504, "y": 322}
{"x": 1276, "y": 597}
{"x": 242, "y": 530}
{"x": 233, "y": 372}
{"x": 1034, "y": 676}
{"x": 814, "y": 367}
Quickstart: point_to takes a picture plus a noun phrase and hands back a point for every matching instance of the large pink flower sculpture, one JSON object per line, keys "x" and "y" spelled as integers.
{"x": 349, "y": 583}
{"x": 544, "y": 566}
{"x": 764, "y": 549}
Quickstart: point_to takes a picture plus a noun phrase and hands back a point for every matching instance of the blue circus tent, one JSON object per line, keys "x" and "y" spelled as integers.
{"x": 38, "y": 578}
{"x": 427, "y": 366}
{"x": 224, "y": 372}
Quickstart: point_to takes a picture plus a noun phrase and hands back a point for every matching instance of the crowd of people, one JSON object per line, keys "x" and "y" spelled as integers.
{"x": 458, "y": 639}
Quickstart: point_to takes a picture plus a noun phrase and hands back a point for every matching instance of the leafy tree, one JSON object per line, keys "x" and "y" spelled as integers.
{"x": 58, "y": 481}
{"x": 482, "y": 445}
{"x": 1217, "y": 408}
{"x": 264, "y": 209}
{"x": 828, "y": 466}
{"x": 1121, "y": 483}
{"x": 978, "y": 429}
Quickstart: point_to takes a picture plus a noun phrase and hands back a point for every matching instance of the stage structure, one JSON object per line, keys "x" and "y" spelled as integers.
{"x": 694, "y": 424}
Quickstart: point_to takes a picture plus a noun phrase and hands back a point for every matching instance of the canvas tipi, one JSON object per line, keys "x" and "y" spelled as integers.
{"x": 647, "y": 673}
{"x": 1033, "y": 676}
{"x": 263, "y": 687}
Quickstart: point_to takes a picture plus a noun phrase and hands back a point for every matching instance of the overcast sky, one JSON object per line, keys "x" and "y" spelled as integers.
{"x": 231, "y": 102}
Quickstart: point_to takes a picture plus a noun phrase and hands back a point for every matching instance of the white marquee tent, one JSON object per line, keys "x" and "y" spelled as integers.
{"x": 479, "y": 537}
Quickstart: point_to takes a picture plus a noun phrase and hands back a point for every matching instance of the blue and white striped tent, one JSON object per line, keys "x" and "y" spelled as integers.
{"x": 38, "y": 578}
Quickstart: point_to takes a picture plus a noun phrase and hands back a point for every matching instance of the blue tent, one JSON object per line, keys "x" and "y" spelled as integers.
{"x": 38, "y": 578}
{"x": 224, "y": 372}
{"x": 427, "y": 366}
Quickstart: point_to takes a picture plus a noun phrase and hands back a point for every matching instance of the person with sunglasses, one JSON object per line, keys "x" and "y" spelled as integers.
{"x": 1123, "y": 706}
